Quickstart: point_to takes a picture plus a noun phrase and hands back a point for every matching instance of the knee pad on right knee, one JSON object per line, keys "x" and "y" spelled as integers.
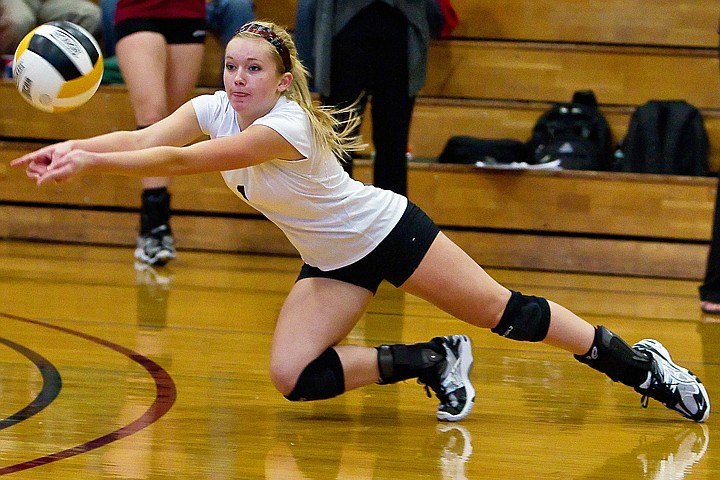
{"x": 526, "y": 318}
{"x": 321, "y": 379}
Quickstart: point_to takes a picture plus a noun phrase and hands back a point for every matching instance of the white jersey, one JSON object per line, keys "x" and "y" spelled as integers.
{"x": 331, "y": 219}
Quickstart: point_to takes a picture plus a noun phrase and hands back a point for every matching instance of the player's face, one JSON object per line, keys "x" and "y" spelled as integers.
{"x": 251, "y": 77}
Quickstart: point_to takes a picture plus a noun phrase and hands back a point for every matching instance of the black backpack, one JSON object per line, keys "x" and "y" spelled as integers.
{"x": 576, "y": 133}
{"x": 664, "y": 136}
{"x": 467, "y": 149}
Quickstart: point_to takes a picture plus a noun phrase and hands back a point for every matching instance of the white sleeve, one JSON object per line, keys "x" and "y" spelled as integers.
{"x": 209, "y": 111}
{"x": 294, "y": 126}
{"x": 203, "y": 106}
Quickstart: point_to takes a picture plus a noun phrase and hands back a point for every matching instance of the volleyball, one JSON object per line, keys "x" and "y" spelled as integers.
{"x": 58, "y": 66}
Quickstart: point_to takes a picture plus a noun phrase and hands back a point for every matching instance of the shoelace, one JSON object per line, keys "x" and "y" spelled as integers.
{"x": 440, "y": 388}
{"x": 436, "y": 387}
{"x": 427, "y": 391}
{"x": 668, "y": 390}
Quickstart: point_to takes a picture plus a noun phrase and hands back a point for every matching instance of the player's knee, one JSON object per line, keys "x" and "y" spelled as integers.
{"x": 526, "y": 318}
{"x": 284, "y": 373}
{"x": 283, "y": 378}
{"x": 320, "y": 379}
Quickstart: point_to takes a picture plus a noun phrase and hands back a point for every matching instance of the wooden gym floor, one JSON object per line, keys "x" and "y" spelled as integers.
{"x": 111, "y": 372}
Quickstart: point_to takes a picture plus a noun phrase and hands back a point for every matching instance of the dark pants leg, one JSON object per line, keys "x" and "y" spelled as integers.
{"x": 369, "y": 57}
{"x": 710, "y": 289}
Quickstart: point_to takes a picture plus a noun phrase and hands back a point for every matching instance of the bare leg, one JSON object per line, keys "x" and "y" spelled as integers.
{"x": 454, "y": 282}
{"x": 143, "y": 60}
{"x": 160, "y": 78}
{"x": 319, "y": 313}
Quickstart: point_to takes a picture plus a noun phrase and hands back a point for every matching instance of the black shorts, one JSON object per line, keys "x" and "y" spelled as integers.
{"x": 175, "y": 30}
{"x": 394, "y": 259}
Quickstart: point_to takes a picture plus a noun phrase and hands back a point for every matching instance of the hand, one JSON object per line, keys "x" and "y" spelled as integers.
{"x": 58, "y": 163}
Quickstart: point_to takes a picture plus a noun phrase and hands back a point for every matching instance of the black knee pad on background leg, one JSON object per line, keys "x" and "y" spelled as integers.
{"x": 526, "y": 318}
{"x": 322, "y": 378}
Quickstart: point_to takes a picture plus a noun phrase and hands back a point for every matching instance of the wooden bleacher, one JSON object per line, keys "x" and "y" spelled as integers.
{"x": 506, "y": 63}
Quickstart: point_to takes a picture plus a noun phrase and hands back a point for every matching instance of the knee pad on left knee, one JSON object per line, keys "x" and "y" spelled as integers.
{"x": 322, "y": 378}
{"x": 526, "y": 318}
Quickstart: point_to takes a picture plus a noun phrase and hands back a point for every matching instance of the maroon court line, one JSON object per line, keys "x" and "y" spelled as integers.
{"x": 165, "y": 397}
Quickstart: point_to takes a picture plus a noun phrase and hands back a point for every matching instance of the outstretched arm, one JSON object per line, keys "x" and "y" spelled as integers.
{"x": 180, "y": 128}
{"x": 252, "y": 146}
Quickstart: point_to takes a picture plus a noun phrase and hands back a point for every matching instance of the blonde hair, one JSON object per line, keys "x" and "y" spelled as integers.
{"x": 333, "y": 128}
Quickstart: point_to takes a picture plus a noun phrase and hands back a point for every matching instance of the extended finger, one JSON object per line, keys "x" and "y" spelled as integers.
{"x": 21, "y": 161}
{"x": 35, "y": 157}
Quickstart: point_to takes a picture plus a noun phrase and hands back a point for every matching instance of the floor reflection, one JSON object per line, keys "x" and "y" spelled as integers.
{"x": 668, "y": 458}
{"x": 456, "y": 451}
{"x": 153, "y": 291}
{"x": 443, "y": 453}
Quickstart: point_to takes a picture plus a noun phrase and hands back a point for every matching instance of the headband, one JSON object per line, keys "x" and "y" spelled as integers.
{"x": 268, "y": 34}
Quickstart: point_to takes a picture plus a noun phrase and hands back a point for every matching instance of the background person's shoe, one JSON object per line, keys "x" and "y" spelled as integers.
{"x": 156, "y": 247}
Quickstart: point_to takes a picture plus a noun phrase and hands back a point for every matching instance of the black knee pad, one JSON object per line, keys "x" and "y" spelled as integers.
{"x": 322, "y": 378}
{"x": 610, "y": 355}
{"x": 526, "y": 318}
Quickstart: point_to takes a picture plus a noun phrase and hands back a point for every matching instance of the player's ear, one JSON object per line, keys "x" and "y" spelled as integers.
{"x": 285, "y": 81}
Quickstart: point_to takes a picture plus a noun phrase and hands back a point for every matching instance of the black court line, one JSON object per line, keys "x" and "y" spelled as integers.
{"x": 165, "y": 396}
{"x": 52, "y": 383}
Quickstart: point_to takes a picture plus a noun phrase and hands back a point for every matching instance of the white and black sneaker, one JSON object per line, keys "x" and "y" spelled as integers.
{"x": 156, "y": 247}
{"x": 675, "y": 387}
{"x": 450, "y": 379}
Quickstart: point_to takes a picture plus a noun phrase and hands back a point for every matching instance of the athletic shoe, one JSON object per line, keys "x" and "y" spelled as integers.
{"x": 157, "y": 247}
{"x": 675, "y": 387}
{"x": 450, "y": 379}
